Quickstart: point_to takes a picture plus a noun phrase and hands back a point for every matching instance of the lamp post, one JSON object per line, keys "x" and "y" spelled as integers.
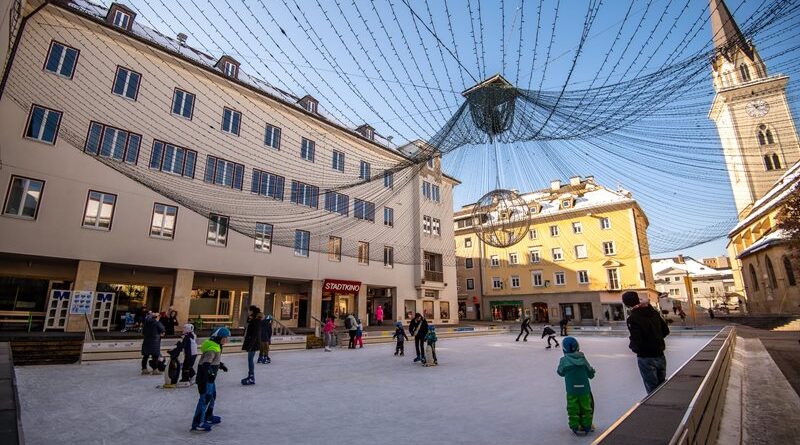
{"x": 687, "y": 281}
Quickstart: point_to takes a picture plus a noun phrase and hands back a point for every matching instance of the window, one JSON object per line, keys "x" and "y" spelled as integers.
{"x": 580, "y": 251}
{"x": 43, "y": 124}
{"x": 121, "y": 19}
{"x": 566, "y": 203}
{"x": 217, "y": 230}
{"x": 583, "y": 277}
{"x": 61, "y": 60}
{"x": 430, "y": 162}
{"x": 772, "y": 162}
{"x": 468, "y": 263}
{"x": 677, "y": 292}
{"x": 560, "y": 278}
{"x": 537, "y": 278}
{"x": 711, "y": 289}
{"x": 334, "y": 248}
{"x": 515, "y": 282}
{"x": 426, "y": 189}
{"x": 773, "y": 282}
{"x": 272, "y": 137}
{"x": 513, "y": 258}
{"x": 364, "y": 210}
{"x": 263, "y": 237}
{"x": 163, "y": 223}
{"x": 126, "y": 83}
{"x": 224, "y": 173}
{"x": 586, "y": 311}
{"x": 554, "y": 231}
{"x": 497, "y": 283}
{"x": 23, "y": 197}
{"x": 677, "y": 278}
{"x": 558, "y": 254}
{"x": 307, "y": 148}
{"x": 613, "y": 278}
{"x": 231, "y": 121}
{"x": 388, "y": 179}
{"x": 363, "y": 252}
{"x": 470, "y": 283}
{"x": 230, "y": 69}
{"x": 426, "y": 225}
{"x": 467, "y": 242}
{"x": 388, "y": 256}
{"x": 113, "y": 143}
{"x": 696, "y": 290}
{"x": 302, "y": 239}
{"x": 577, "y": 227}
{"x": 753, "y": 277}
{"x": 99, "y": 210}
{"x": 605, "y": 223}
{"x": 364, "y": 171}
{"x": 435, "y": 195}
{"x": 183, "y": 104}
{"x": 267, "y": 184}
{"x": 494, "y": 261}
{"x": 745, "y": 72}
{"x": 311, "y": 105}
{"x": 436, "y": 227}
{"x": 337, "y": 162}
{"x": 609, "y": 248}
{"x": 765, "y": 135}
{"x": 337, "y": 202}
{"x": 789, "y": 270}
{"x": 533, "y": 234}
{"x": 534, "y": 256}
{"x": 388, "y": 217}
{"x": 304, "y": 194}
{"x": 173, "y": 159}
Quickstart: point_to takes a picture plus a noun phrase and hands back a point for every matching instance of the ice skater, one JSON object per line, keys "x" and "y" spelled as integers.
{"x": 550, "y": 334}
{"x": 525, "y": 327}
{"x": 189, "y": 346}
{"x": 328, "y": 331}
{"x": 210, "y": 364}
{"x": 359, "y": 334}
{"x": 563, "y": 325}
{"x": 400, "y": 335}
{"x": 350, "y": 324}
{"x": 430, "y": 340}
{"x": 266, "y": 340}
{"x": 577, "y": 371}
{"x": 252, "y": 343}
{"x": 418, "y": 328}
{"x": 173, "y": 367}
{"x": 151, "y": 345}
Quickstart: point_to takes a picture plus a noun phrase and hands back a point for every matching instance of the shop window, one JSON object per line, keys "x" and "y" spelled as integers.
{"x": 444, "y": 310}
{"x": 287, "y": 307}
{"x": 410, "y": 308}
{"x": 586, "y": 311}
{"x": 427, "y": 310}
{"x": 24, "y": 294}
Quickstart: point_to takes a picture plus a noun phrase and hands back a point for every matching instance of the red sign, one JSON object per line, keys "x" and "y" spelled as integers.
{"x": 474, "y": 300}
{"x": 341, "y": 286}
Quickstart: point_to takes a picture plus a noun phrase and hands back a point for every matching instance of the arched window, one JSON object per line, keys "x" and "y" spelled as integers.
{"x": 776, "y": 161}
{"x": 770, "y": 139}
{"x": 768, "y": 163}
{"x": 771, "y": 274}
{"x": 762, "y": 134}
{"x": 754, "y": 277}
{"x": 787, "y": 265}
{"x": 745, "y": 73}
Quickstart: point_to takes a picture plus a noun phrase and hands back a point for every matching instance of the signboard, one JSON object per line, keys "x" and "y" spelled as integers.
{"x": 81, "y": 303}
{"x": 341, "y": 286}
{"x": 57, "y": 306}
{"x": 103, "y": 309}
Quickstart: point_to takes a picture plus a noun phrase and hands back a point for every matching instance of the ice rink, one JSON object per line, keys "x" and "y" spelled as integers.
{"x": 486, "y": 390}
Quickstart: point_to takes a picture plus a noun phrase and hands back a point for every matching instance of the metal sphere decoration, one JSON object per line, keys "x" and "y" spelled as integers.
{"x": 501, "y": 218}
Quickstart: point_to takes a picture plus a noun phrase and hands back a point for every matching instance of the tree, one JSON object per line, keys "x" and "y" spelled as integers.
{"x": 789, "y": 221}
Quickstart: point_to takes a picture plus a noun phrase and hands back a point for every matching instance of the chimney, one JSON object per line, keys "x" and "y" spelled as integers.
{"x": 555, "y": 184}
{"x": 182, "y": 38}
{"x": 575, "y": 180}
{"x": 680, "y": 260}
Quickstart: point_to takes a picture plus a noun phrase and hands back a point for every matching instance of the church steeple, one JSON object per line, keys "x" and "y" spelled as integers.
{"x": 736, "y": 61}
{"x": 724, "y": 29}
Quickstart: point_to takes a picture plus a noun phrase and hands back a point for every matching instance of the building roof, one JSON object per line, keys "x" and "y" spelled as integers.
{"x": 724, "y": 29}
{"x": 771, "y": 239}
{"x": 664, "y": 266}
{"x": 782, "y": 188}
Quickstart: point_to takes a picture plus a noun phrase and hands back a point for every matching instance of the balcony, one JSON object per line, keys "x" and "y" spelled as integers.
{"x": 433, "y": 275}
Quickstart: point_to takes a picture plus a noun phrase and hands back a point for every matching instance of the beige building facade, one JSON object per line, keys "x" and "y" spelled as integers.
{"x": 137, "y": 165}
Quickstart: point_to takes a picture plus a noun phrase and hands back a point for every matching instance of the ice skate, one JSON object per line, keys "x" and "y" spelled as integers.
{"x": 267, "y": 360}
{"x": 167, "y": 386}
{"x": 145, "y": 372}
{"x": 548, "y": 347}
{"x": 578, "y": 432}
{"x": 214, "y": 420}
{"x": 156, "y": 372}
{"x": 396, "y": 354}
{"x": 249, "y": 380}
{"x": 205, "y": 426}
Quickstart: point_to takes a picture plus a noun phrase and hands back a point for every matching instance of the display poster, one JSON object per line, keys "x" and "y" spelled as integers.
{"x": 81, "y": 303}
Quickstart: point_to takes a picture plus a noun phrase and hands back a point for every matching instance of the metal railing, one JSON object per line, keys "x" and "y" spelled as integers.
{"x": 279, "y": 328}
{"x": 433, "y": 275}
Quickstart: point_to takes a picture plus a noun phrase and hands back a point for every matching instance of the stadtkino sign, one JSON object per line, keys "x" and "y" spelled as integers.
{"x": 341, "y": 286}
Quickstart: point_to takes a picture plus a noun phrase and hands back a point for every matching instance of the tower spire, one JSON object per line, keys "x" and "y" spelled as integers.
{"x": 726, "y": 33}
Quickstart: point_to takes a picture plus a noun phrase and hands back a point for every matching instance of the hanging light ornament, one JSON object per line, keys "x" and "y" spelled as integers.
{"x": 501, "y": 218}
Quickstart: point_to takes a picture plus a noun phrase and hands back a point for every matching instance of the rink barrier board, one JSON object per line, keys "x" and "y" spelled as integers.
{"x": 10, "y": 421}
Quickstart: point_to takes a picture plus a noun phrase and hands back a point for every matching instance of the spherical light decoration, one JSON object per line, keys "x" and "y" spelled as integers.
{"x": 501, "y": 218}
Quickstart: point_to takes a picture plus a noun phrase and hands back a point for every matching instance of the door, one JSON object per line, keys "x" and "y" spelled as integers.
{"x": 302, "y": 313}
{"x": 153, "y": 300}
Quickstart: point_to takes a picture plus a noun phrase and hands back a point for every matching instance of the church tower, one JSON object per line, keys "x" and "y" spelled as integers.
{"x": 755, "y": 124}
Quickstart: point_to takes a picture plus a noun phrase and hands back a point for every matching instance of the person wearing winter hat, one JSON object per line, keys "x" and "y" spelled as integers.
{"x": 550, "y": 334}
{"x": 252, "y": 343}
{"x": 189, "y": 346}
{"x": 400, "y": 335}
{"x": 647, "y": 331}
{"x": 210, "y": 364}
{"x": 577, "y": 371}
{"x": 430, "y": 340}
{"x": 266, "y": 340}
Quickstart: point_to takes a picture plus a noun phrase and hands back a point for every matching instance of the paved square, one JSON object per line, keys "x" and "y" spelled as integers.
{"x": 486, "y": 390}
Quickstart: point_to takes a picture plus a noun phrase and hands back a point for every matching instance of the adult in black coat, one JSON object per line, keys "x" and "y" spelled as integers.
{"x": 418, "y": 328}
{"x": 170, "y": 322}
{"x": 151, "y": 345}
{"x": 252, "y": 342}
{"x": 647, "y": 331}
{"x": 525, "y": 327}
{"x": 563, "y": 325}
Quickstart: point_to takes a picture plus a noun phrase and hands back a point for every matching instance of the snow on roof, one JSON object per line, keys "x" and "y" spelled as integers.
{"x": 690, "y": 265}
{"x": 775, "y": 237}
{"x": 782, "y": 188}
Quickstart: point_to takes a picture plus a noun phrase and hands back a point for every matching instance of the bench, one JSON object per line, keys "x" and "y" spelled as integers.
{"x": 20, "y": 317}
{"x": 214, "y": 320}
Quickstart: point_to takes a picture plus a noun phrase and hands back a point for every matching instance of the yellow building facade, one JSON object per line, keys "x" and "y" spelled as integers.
{"x": 585, "y": 246}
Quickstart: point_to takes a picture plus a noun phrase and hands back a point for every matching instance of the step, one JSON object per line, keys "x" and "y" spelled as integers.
{"x": 793, "y": 325}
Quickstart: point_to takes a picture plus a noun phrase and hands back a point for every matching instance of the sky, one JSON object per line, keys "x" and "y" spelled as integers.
{"x": 400, "y": 65}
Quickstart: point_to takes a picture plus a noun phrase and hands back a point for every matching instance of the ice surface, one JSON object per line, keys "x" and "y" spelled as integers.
{"x": 486, "y": 390}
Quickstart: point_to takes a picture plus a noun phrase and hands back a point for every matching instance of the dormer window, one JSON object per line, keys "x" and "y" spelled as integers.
{"x": 229, "y": 67}
{"x": 309, "y": 104}
{"x": 120, "y": 16}
{"x": 567, "y": 203}
{"x": 366, "y": 131}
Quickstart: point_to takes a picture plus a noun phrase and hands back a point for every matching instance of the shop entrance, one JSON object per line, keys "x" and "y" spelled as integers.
{"x": 613, "y": 312}
{"x": 339, "y": 299}
{"x": 567, "y": 310}
{"x": 302, "y": 313}
{"x": 506, "y": 310}
{"x": 540, "y": 313}
{"x": 379, "y": 297}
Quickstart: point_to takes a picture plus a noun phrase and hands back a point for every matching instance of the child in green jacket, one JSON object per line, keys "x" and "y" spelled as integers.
{"x": 577, "y": 371}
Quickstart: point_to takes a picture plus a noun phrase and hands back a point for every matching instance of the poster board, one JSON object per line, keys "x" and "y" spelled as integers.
{"x": 81, "y": 302}
{"x": 57, "y": 309}
{"x": 103, "y": 309}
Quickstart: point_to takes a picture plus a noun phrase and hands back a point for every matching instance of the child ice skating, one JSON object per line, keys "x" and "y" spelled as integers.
{"x": 401, "y": 337}
{"x": 577, "y": 371}
{"x": 430, "y": 349}
{"x": 266, "y": 340}
{"x": 550, "y": 334}
{"x": 328, "y": 330}
{"x": 189, "y": 346}
{"x": 173, "y": 367}
{"x": 359, "y": 335}
{"x": 210, "y": 364}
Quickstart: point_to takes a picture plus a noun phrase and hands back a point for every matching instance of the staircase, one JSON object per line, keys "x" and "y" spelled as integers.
{"x": 793, "y": 325}
{"x": 768, "y": 322}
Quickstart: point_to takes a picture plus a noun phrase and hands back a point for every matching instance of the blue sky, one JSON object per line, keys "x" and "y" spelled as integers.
{"x": 373, "y": 62}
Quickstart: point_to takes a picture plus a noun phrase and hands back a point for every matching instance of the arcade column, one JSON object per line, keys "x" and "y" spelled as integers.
{"x": 85, "y": 280}
{"x": 182, "y": 293}
{"x": 316, "y": 301}
{"x": 258, "y": 292}
{"x": 362, "y": 305}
